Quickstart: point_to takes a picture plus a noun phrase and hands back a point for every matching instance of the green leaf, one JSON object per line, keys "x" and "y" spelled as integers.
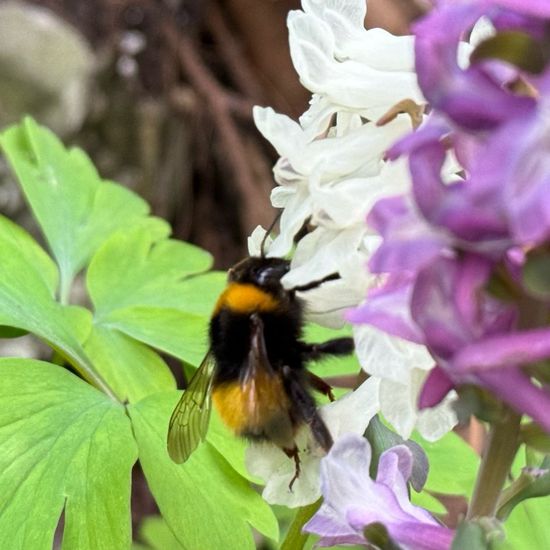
{"x": 146, "y": 287}
{"x": 75, "y": 208}
{"x": 157, "y": 534}
{"x": 40, "y": 270}
{"x": 528, "y": 526}
{"x": 131, "y": 369}
{"x": 143, "y": 268}
{"x": 183, "y": 335}
{"x": 536, "y": 274}
{"x": 199, "y": 294}
{"x": 205, "y": 503}
{"x": 63, "y": 444}
{"x": 427, "y": 501}
{"x": 296, "y": 539}
{"x": 232, "y": 448}
{"x": 11, "y": 332}
{"x": 453, "y": 464}
{"x": 27, "y": 285}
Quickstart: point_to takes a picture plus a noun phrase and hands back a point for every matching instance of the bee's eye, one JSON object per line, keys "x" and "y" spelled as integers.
{"x": 271, "y": 273}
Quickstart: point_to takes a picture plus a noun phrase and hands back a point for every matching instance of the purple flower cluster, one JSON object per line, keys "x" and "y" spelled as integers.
{"x": 353, "y": 501}
{"x": 447, "y": 242}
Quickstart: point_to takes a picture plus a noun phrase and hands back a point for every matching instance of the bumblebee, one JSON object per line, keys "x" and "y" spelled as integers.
{"x": 255, "y": 371}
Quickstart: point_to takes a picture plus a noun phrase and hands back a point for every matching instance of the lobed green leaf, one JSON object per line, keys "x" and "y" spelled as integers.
{"x": 27, "y": 298}
{"x": 143, "y": 268}
{"x": 181, "y": 334}
{"x": 131, "y": 369}
{"x": 75, "y": 208}
{"x": 63, "y": 445}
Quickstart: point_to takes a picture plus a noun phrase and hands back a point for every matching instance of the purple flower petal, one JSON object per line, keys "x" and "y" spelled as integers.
{"x": 409, "y": 242}
{"x": 352, "y": 500}
{"x": 516, "y": 388}
{"x": 423, "y": 537}
{"x": 470, "y": 97}
{"x": 388, "y": 309}
{"x": 434, "y": 130}
{"x": 434, "y": 308}
{"x": 539, "y": 8}
{"x": 506, "y": 350}
{"x": 436, "y": 386}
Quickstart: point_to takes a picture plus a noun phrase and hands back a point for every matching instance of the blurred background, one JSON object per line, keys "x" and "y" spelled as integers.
{"x": 159, "y": 93}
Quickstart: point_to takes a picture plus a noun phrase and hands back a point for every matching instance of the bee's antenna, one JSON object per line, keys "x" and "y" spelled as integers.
{"x": 268, "y": 231}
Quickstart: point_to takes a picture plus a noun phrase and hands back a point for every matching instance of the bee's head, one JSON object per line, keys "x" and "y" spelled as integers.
{"x": 262, "y": 272}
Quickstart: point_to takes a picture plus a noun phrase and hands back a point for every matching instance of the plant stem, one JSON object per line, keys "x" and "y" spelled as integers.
{"x": 500, "y": 450}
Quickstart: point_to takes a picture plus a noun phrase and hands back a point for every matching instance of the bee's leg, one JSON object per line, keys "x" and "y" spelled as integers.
{"x": 306, "y": 408}
{"x": 317, "y": 383}
{"x": 320, "y": 432}
{"x": 293, "y": 453}
{"x": 338, "y": 346}
{"x": 314, "y": 284}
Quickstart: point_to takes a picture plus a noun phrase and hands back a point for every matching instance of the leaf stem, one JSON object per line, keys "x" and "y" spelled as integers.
{"x": 500, "y": 451}
{"x": 64, "y": 289}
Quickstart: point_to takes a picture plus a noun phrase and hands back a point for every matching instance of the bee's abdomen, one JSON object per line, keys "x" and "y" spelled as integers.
{"x": 251, "y": 408}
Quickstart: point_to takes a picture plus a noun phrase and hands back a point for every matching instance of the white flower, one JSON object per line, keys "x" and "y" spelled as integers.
{"x": 369, "y": 70}
{"x": 350, "y": 414}
{"x": 331, "y": 172}
{"x": 402, "y": 367}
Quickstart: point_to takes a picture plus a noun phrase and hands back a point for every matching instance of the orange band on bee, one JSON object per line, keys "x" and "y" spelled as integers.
{"x": 245, "y": 298}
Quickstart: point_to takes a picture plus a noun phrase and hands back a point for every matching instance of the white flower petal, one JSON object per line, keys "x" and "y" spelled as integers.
{"x": 387, "y": 356}
{"x": 327, "y": 304}
{"x": 434, "y": 423}
{"x": 352, "y": 12}
{"x": 282, "y": 132}
{"x": 320, "y": 253}
{"x": 297, "y": 210}
{"x": 353, "y": 412}
{"x": 481, "y": 31}
{"x": 255, "y": 241}
{"x": 399, "y": 407}
{"x": 352, "y": 83}
{"x": 271, "y": 464}
{"x": 350, "y": 414}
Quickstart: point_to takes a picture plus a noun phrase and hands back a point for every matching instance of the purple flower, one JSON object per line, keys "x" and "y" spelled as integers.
{"x": 400, "y": 223}
{"x": 471, "y": 335}
{"x": 444, "y": 243}
{"x": 539, "y": 8}
{"x": 474, "y": 98}
{"x": 502, "y": 201}
{"x": 352, "y": 500}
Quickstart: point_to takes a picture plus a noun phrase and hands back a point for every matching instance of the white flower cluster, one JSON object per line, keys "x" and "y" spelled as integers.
{"x": 330, "y": 174}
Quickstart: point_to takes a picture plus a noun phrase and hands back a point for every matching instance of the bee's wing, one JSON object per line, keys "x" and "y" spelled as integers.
{"x": 189, "y": 421}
